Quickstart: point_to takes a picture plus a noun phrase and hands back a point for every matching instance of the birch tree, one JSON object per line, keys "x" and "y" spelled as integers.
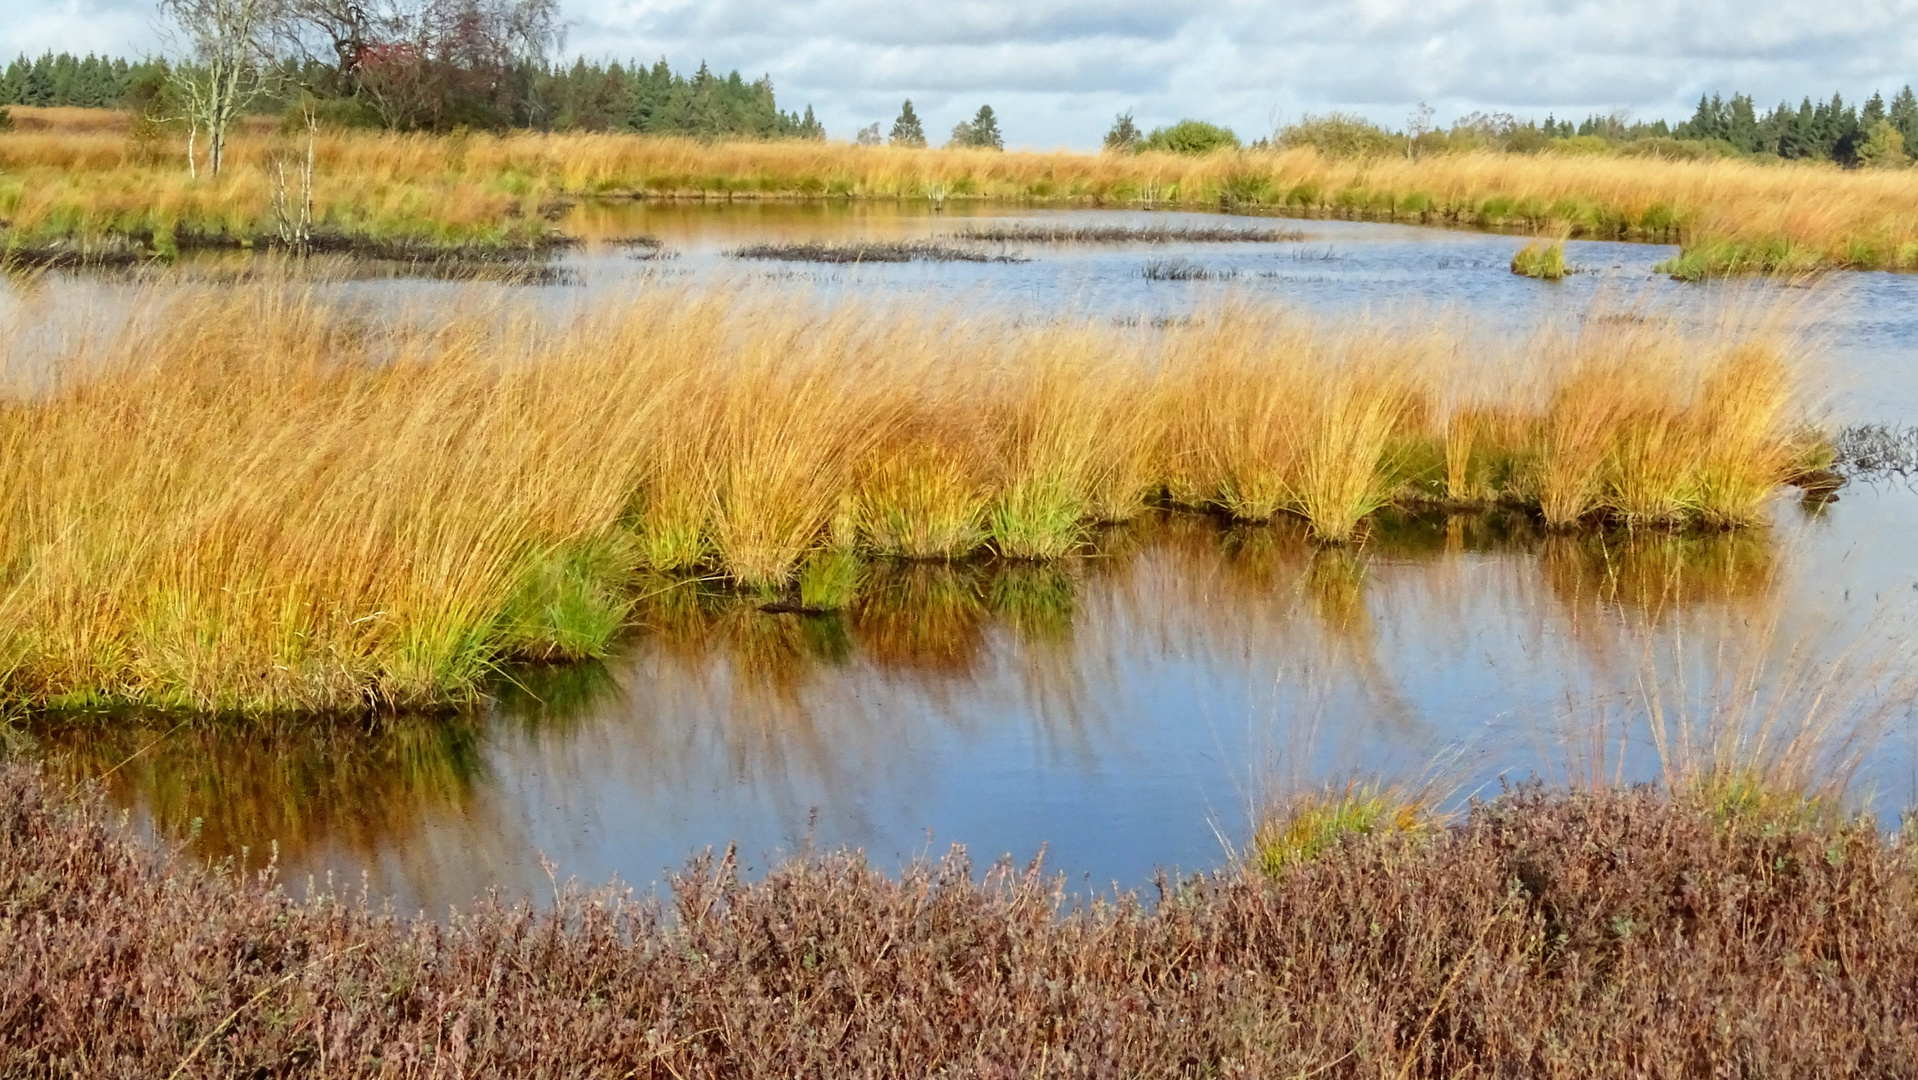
{"x": 226, "y": 45}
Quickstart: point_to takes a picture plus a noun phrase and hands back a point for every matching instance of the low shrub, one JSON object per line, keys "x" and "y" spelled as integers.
{"x": 1192, "y": 137}
{"x": 1603, "y": 934}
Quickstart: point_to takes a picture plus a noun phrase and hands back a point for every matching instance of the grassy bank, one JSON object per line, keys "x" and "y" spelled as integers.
{"x": 254, "y": 499}
{"x": 1583, "y": 935}
{"x": 96, "y": 189}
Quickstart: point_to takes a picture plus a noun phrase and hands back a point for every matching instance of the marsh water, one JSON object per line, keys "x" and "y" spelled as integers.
{"x": 1126, "y": 710}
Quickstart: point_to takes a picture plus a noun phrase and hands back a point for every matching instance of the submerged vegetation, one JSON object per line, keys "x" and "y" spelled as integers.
{"x": 1575, "y": 935}
{"x": 77, "y": 193}
{"x": 259, "y": 499}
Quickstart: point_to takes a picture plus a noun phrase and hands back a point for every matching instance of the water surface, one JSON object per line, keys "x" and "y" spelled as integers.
{"x": 1123, "y": 711}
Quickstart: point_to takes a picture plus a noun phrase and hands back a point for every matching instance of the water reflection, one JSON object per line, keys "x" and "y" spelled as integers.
{"x": 1118, "y": 707}
{"x": 307, "y": 785}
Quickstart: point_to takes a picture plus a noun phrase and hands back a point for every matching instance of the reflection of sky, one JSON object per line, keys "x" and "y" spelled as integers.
{"x": 1184, "y": 690}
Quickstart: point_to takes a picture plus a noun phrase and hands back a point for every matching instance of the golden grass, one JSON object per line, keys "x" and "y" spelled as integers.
{"x": 77, "y": 184}
{"x": 255, "y": 499}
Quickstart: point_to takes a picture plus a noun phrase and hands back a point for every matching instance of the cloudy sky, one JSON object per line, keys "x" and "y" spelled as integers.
{"x": 1057, "y": 71}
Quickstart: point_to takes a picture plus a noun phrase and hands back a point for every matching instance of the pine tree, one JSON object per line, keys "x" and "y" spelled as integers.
{"x": 1124, "y": 134}
{"x": 906, "y": 131}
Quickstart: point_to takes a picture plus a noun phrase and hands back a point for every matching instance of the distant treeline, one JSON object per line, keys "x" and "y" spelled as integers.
{"x": 583, "y": 97}
{"x": 658, "y": 101}
{"x": 399, "y": 85}
{"x": 94, "y": 82}
{"x": 1876, "y": 134}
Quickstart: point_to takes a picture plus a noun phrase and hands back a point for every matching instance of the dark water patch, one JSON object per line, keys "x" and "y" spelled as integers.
{"x": 874, "y": 251}
{"x": 1022, "y": 233}
{"x": 444, "y": 259}
{"x": 1184, "y": 270}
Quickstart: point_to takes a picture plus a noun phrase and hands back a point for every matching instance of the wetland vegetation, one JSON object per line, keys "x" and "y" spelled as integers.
{"x": 358, "y": 546}
{"x": 334, "y": 511}
{"x": 78, "y": 194}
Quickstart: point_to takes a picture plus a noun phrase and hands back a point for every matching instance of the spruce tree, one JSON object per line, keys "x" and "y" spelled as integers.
{"x": 906, "y": 131}
{"x": 985, "y": 130}
{"x": 1903, "y": 115}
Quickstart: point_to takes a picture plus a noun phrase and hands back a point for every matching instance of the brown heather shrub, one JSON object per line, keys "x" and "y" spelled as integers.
{"x": 1602, "y": 934}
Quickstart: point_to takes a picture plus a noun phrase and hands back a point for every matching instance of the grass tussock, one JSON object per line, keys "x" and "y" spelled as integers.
{"x": 255, "y": 499}
{"x": 1542, "y": 259}
{"x": 1302, "y": 828}
{"x": 1599, "y": 934}
{"x": 66, "y": 191}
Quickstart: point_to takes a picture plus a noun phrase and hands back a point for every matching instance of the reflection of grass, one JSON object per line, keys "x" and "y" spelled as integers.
{"x": 304, "y": 785}
{"x": 1335, "y": 585}
{"x": 1036, "y": 601}
{"x": 922, "y": 615}
{"x": 1657, "y": 570}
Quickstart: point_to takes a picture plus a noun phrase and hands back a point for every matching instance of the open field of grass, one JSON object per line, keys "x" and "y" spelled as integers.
{"x": 1587, "y": 934}
{"x": 250, "y": 498}
{"x": 75, "y": 188}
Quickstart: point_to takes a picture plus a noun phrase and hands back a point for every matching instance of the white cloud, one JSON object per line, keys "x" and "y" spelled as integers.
{"x": 1057, "y": 70}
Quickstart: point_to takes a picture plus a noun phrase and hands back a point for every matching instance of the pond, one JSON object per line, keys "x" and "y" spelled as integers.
{"x": 1130, "y": 709}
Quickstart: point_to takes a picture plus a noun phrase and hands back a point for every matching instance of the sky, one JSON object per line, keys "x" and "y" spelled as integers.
{"x": 1057, "y": 71}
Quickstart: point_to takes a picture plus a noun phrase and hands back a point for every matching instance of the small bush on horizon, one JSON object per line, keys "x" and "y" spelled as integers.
{"x": 1340, "y": 135}
{"x": 1194, "y": 137}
